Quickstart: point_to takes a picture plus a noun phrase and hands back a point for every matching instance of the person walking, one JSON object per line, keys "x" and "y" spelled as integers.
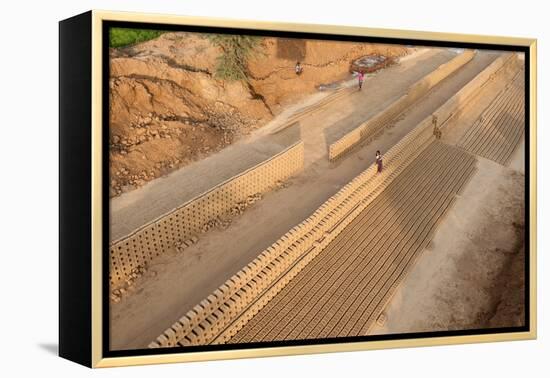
{"x": 361, "y": 77}
{"x": 379, "y": 161}
{"x": 298, "y": 68}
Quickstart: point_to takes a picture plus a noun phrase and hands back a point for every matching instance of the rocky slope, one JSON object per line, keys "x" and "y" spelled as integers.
{"x": 168, "y": 109}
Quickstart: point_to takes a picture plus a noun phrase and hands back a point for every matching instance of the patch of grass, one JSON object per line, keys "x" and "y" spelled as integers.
{"x": 232, "y": 64}
{"x": 120, "y": 37}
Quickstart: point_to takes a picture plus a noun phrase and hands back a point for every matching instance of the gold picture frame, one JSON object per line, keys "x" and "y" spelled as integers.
{"x": 92, "y": 328}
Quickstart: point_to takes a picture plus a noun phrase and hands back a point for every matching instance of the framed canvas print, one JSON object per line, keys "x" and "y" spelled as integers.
{"x": 235, "y": 189}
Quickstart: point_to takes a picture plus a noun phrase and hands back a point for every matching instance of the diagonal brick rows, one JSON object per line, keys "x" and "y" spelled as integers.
{"x": 342, "y": 291}
{"x": 138, "y": 249}
{"x": 331, "y": 275}
{"x": 370, "y": 128}
{"x": 497, "y": 133}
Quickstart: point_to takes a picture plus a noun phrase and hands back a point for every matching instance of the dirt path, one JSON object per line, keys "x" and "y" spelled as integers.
{"x": 133, "y": 209}
{"x": 324, "y": 127}
{"x": 138, "y": 207}
{"x": 417, "y": 64}
{"x": 176, "y": 283}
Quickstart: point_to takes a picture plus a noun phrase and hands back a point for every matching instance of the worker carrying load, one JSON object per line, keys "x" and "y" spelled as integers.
{"x": 437, "y": 130}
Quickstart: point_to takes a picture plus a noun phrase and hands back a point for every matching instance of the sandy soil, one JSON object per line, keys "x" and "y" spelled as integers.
{"x": 517, "y": 161}
{"x": 471, "y": 276}
{"x": 176, "y": 283}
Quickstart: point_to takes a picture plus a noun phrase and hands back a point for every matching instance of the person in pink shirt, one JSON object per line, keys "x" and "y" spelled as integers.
{"x": 361, "y": 77}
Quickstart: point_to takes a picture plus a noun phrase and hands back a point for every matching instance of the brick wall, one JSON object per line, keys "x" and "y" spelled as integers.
{"x": 370, "y": 128}
{"x": 184, "y": 222}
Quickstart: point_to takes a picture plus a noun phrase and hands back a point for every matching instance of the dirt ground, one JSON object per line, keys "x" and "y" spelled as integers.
{"x": 471, "y": 276}
{"x": 168, "y": 109}
{"x": 177, "y": 282}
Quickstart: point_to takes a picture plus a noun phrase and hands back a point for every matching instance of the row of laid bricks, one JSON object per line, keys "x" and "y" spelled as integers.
{"x": 319, "y": 274}
{"x": 227, "y": 302}
{"x": 184, "y": 222}
{"x": 421, "y": 136}
{"x": 494, "y": 71}
{"x": 362, "y": 199}
{"x": 370, "y": 128}
{"x": 207, "y": 319}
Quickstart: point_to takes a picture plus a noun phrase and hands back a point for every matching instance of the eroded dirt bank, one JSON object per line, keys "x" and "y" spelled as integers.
{"x": 168, "y": 108}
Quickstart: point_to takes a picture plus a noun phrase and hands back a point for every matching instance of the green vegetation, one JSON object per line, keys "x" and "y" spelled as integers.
{"x": 120, "y": 37}
{"x": 232, "y": 65}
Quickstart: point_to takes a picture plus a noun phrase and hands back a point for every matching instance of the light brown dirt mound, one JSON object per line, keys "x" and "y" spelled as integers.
{"x": 167, "y": 109}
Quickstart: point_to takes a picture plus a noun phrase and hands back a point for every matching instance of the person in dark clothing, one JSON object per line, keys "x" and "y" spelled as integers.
{"x": 379, "y": 161}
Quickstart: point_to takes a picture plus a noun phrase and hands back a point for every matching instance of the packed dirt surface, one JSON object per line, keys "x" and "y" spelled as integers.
{"x": 472, "y": 274}
{"x": 168, "y": 109}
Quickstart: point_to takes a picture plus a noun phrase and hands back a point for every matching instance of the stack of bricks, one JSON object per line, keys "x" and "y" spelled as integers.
{"x": 222, "y": 314}
{"x": 151, "y": 240}
{"x": 370, "y": 128}
{"x": 217, "y": 318}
